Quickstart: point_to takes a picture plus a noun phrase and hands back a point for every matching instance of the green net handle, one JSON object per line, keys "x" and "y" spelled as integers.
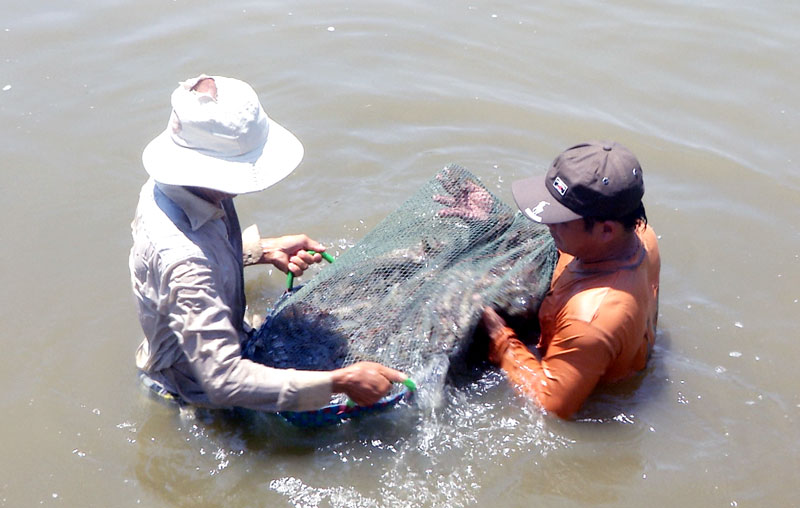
{"x": 290, "y": 276}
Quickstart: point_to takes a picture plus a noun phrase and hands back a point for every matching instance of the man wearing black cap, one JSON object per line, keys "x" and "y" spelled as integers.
{"x": 598, "y": 321}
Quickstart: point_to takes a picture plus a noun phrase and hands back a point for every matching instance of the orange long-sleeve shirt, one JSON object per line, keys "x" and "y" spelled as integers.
{"x": 598, "y": 324}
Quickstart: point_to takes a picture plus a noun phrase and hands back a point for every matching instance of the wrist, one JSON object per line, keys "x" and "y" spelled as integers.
{"x": 268, "y": 250}
{"x": 500, "y": 345}
{"x": 340, "y": 380}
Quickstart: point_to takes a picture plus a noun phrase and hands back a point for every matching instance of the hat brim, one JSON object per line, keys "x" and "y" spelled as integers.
{"x": 538, "y": 204}
{"x": 172, "y": 164}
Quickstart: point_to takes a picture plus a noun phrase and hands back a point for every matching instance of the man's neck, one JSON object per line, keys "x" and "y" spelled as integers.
{"x": 618, "y": 249}
{"x": 214, "y": 197}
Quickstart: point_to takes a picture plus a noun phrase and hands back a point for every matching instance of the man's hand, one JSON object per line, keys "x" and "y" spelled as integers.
{"x": 288, "y": 253}
{"x": 365, "y": 382}
{"x": 498, "y": 341}
{"x": 468, "y": 200}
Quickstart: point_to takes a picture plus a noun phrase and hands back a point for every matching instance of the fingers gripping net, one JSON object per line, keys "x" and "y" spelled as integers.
{"x": 413, "y": 289}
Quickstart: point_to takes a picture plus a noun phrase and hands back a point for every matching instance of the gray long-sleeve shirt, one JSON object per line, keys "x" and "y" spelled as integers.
{"x": 186, "y": 270}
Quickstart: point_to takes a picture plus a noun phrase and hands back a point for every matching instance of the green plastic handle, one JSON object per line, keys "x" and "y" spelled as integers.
{"x": 290, "y": 276}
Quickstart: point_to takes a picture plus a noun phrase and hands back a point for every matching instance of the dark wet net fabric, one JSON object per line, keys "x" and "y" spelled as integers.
{"x": 410, "y": 294}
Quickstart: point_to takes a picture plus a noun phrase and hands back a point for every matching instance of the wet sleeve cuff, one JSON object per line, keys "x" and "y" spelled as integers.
{"x": 306, "y": 391}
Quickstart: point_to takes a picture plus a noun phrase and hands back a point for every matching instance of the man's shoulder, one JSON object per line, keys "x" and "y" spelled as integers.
{"x": 592, "y": 302}
{"x": 161, "y": 230}
{"x": 592, "y": 295}
{"x": 611, "y": 303}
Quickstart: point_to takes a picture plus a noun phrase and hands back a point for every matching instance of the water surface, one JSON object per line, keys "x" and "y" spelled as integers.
{"x": 383, "y": 95}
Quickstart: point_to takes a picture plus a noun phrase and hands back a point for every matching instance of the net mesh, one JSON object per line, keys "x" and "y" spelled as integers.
{"x": 410, "y": 294}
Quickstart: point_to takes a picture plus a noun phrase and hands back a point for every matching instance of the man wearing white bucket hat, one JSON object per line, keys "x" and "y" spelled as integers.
{"x": 188, "y": 254}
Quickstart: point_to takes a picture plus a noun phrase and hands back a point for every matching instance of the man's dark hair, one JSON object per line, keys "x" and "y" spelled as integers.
{"x": 630, "y": 221}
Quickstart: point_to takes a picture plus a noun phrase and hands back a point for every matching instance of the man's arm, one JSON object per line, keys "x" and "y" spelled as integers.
{"x": 561, "y": 381}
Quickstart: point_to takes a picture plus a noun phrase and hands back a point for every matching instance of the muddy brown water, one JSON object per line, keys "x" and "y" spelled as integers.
{"x": 382, "y": 95}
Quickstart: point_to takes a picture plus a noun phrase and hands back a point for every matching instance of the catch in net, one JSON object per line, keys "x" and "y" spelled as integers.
{"x": 410, "y": 294}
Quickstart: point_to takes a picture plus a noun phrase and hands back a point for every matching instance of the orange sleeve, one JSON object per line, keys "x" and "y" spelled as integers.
{"x": 561, "y": 381}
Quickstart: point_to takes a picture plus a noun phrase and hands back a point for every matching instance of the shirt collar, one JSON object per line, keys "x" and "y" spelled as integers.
{"x": 198, "y": 210}
{"x": 630, "y": 263}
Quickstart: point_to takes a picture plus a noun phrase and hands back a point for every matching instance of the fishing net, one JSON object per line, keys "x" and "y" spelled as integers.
{"x": 410, "y": 294}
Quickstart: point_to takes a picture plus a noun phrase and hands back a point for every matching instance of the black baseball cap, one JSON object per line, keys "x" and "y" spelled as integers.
{"x": 593, "y": 179}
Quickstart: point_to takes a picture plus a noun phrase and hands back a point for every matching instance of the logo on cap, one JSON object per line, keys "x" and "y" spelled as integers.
{"x": 534, "y": 213}
{"x": 560, "y": 186}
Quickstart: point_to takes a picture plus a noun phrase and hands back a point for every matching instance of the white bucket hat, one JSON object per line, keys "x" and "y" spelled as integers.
{"x": 227, "y": 143}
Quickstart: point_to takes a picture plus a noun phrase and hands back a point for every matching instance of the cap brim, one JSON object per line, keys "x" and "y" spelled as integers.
{"x": 170, "y": 163}
{"x": 536, "y": 202}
